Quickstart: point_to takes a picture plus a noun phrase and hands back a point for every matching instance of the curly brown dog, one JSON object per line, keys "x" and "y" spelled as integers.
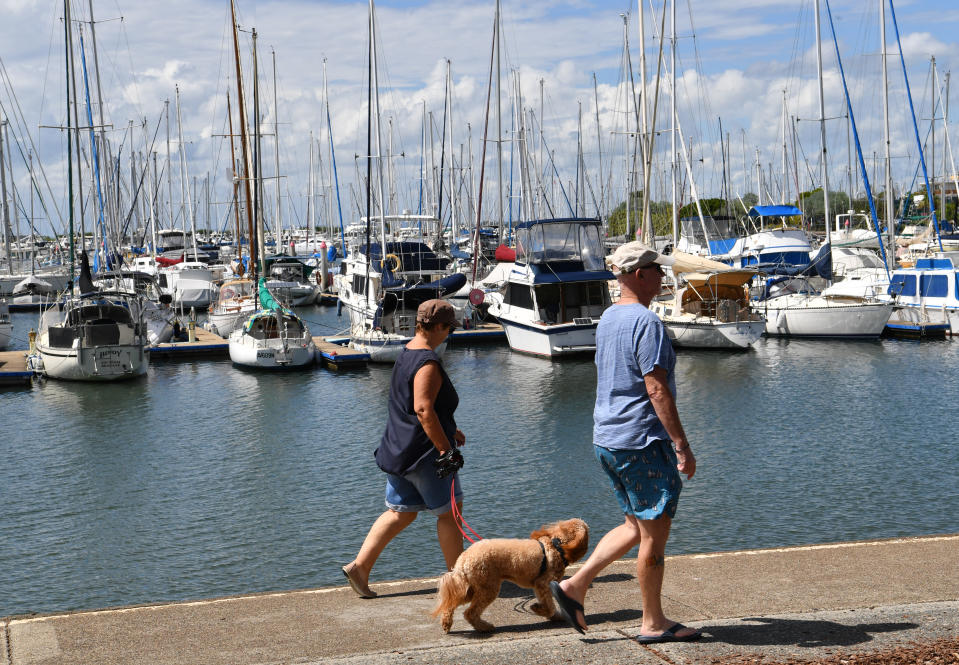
{"x": 532, "y": 563}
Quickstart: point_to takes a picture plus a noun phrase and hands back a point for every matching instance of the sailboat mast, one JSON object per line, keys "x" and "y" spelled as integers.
{"x": 243, "y": 141}
{"x": 6, "y": 210}
{"x": 257, "y": 159}
{"x": 644, "y": 138}
{"x": 236, "y": 188}
{"x": 187, "y": 201}
{"x": 278, "y": 225}
{"x": 379, "y": 145}
{"x": 499, "y": 132}
{"x": 673, "y": 123}
{"x": 824, "y": 170}
{"x": 890, "y": 226}
{"x": 7, "y": 231}
{"x": 310, "y": 206}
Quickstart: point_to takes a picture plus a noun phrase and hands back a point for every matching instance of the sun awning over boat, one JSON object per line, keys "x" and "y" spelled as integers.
{"x": 692, "y": 263}
{"x": 716, "y": 279}
{"x": 774, "y": 211}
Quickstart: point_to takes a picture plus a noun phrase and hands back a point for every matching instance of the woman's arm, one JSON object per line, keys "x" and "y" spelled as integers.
{"x": 426, "y": 386}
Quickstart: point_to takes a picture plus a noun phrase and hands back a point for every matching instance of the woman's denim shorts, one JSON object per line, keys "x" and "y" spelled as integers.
{"x": 646, "y": 482}
{"x": 420, "y": 490}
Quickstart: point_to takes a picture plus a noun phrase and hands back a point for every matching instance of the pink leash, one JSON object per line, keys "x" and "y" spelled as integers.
{"x": 458, "y": 516}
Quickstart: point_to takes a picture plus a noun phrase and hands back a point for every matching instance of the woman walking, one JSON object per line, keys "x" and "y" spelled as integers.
{"x": 418, "y": 449}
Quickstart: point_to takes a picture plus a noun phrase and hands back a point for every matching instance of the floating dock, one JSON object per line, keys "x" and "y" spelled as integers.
{"x": 916, "y": 329}
{"x": 484, "y": 332}
{"x": 13, "y": 368}
{"x": 333, "y": 353}
{"x": 207, "y": 345}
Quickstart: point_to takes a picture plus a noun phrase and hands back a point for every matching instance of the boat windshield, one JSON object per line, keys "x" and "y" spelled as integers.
{"x": 237, "y": 289}
{"x": 562, "y": 241}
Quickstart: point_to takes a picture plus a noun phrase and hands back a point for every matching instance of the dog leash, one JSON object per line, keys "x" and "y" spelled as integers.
{"x": 458, "y": 516}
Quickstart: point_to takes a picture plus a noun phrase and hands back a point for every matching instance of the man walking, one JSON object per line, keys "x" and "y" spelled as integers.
{"x": 639, "y": 441}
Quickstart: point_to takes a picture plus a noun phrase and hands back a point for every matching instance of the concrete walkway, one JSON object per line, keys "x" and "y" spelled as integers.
{"x": 801, "y": 602}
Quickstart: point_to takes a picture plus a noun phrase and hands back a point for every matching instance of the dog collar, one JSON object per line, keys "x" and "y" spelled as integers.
{"x": 542, "y": 566}
{"x": 557, "y": 545}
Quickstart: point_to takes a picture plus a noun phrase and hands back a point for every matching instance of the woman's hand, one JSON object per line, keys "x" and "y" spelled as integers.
{"x": 459, "y": 437}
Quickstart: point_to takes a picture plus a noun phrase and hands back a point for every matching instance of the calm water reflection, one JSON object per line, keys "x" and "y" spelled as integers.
{"x": 203, "y": 480}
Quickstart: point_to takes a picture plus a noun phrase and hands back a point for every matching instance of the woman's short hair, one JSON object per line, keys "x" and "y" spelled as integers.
{"x": 426, "y": 327}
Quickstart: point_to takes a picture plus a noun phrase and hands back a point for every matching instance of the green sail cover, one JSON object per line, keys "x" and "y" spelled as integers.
{"x": 267, "y": 301}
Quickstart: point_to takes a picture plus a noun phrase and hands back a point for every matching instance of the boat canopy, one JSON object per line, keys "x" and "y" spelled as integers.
{"x": 774, "y": 211}
{"x": 413, "y": 257}
{"x": 567, "y": 245}
{"x": 713, "y": 280}
{"x": 692, "y": 263}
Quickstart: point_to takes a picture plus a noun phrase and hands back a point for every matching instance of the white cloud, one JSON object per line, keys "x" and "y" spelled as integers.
{"x": 750, "y": 52}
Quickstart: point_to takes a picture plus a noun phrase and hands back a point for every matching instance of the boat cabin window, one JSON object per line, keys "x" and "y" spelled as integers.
{"x": 99, "y": 313}
{"x": 519, "y": 295}
{"x": 902, "y": 284}
{"x": 562, "y": 303}
{"x": 287, "y": 273}
{"x": 562, "y": 241}
{"x": 934, "y": 286}
{"x": 591, "y": 244}
{"x": 359, "y": 284}
{"x": 236, "y": 290}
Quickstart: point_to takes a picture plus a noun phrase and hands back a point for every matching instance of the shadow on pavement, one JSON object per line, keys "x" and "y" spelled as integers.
{"x": 765, "y": 631}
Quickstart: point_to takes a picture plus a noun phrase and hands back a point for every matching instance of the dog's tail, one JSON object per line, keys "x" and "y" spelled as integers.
{"x": 454, "y": 590}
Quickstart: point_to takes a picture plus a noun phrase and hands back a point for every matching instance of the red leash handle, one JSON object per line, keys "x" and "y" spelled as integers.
{"x": 458, "y": 516}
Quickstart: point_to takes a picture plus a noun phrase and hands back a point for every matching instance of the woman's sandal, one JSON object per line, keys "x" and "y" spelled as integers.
{"x": 362, "y": 590}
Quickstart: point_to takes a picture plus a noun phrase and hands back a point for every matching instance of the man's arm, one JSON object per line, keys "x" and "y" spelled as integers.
{"x": 661, "y": 397}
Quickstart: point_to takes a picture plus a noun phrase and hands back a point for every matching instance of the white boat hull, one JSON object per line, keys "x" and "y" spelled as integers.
{"x": 224, "y": 323}
{"x": 384, "y": 348}
{"x": 101, "y": 363}
{"x": 550, "y": 340}
{"x": 714, "y": 334}
{"x": 853, "y": 320}
{"x": 159, "y": 323}
{"x": 248, "y": 351}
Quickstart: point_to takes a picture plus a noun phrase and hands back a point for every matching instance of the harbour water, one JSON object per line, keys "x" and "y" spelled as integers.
{"x": 203, "y": 480}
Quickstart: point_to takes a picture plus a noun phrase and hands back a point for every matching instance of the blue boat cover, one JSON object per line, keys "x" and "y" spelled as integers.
{"x": 722, "y": 246}
{"x": 934, "y": 264}
{"x": 566, "y": 271}
{"x": 774, "y": 211}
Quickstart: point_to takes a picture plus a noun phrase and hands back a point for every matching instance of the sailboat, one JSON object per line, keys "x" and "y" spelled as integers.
{"x": 273, "y": 337}
{"x": 381, "y": 293}
{"x": 382, "y": 284}
{"x": 234, "y": 305}
{"x": 33, "y": 293}
{"x": 790, "y": 304}
{"x": 710, "y": 307}
{"x": 94, "y": 335}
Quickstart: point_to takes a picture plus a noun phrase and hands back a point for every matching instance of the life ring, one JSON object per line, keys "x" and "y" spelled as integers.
{"x": 397, "y": 264}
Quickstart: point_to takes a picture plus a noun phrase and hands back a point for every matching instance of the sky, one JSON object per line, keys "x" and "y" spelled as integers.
{"x": 737, "y": 62}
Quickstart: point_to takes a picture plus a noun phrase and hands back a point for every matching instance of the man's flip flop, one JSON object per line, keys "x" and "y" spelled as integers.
{"x": 567, "y": 606}
{"x": 669, "y": 635}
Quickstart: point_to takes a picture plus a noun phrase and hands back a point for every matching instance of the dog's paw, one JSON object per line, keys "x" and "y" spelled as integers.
{"x": 483, "y": 626}
{"x": 540, "y": 609}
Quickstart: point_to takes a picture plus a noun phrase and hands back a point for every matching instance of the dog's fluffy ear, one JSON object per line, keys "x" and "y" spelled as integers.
{"x": 574, "y": 535}
{"x": 548, "y": 530}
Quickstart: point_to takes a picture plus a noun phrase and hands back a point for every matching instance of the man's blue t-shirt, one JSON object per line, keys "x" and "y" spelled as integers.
{"x": 630, "y": 342}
